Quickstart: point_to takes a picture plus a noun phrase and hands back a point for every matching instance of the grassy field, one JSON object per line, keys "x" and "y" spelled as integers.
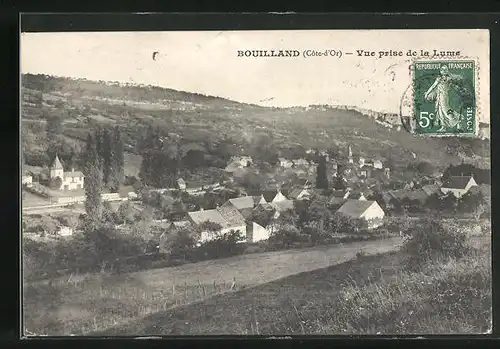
{"x": 30, "y": 199}
{"x": 89, "y": 303}
{"x": 368, "y": 295}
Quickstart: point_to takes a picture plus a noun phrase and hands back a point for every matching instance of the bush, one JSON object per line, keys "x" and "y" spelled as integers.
{"x": 287, "y": 236}
{"x": 179, "y": 245}
{"x": 430, "y": 241}
{"x": 55, "y": 183}
{"x": 224, "y": 245}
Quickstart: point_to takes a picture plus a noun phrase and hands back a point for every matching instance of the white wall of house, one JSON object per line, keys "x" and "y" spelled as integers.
{"x": 72, "y": 183}
{"x": 27, "y": 180}
{"x": 303, "y": 195}
{"x": 259, "y": 233}
{"x": 65, "y": 231}
{"x": 279, "y": 197}
{"x": 374, "y": 215}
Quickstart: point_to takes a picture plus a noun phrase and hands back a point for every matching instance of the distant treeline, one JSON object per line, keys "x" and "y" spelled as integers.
{"x": 46, "y": 84}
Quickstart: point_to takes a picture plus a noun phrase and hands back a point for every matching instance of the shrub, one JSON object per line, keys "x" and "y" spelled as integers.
{"x": 430, "y": 240}
{"x": 179, "y": 245}
{"x": 286, "y": 237}
{"x": 224, "y": 245}
{"x": 55, "y": 183}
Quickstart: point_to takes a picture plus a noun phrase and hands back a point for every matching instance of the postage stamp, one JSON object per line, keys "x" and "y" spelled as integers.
{"x": 444, "y": 97}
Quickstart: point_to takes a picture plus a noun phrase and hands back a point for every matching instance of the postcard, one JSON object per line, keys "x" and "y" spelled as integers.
{"x": 271, "y": 183}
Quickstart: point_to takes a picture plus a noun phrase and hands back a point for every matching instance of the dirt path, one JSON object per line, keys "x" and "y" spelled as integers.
{"x": 259, "y": 268}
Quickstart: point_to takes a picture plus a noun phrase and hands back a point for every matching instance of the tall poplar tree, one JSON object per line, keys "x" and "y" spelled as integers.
{"x": 93, "y": 184}
{"x": 321, "y": 176}
{"x": 119, "y": 155}
{"x": 107, "y": 155}
{"x": 116, "y": 161}
{"x": 98, "y": 139}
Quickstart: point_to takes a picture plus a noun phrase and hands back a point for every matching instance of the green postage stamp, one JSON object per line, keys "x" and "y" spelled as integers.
{"x": 444, "y": 97}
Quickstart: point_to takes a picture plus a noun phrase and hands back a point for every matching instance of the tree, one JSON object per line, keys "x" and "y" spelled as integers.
{"x": 108, "y": 214}
{"x": 93, "y": 184}
{"x": 126, "y": 213}
{"x": 433, "y": 202}
{"x": 321, "y": 176}
{"x": 180, "y": 244}
{"x": 252, "y": 181}
{"x": 118, "y": 174}
{"x": 54, "y": 126}
{"x": 262, "y": 216}
{"x": 449, "y": 202}
{"x": 107, "y": 156}
{"x": 479, "y": 210}
{"x": 339, "y": 183}
{"x": 55, "y": 183}
{"x": 100, "y": 147}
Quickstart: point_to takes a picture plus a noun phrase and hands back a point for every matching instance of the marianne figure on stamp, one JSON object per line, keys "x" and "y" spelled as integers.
{"x": 440, "y": 91}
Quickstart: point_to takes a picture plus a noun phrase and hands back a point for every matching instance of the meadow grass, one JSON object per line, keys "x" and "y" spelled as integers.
{"x": 94, "y": 302}
{"x": 367, "y": 295}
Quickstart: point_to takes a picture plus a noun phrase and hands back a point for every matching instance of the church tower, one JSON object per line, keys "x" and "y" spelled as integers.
{"x": 349, "y": 155}
{"x": 56, "y": 170}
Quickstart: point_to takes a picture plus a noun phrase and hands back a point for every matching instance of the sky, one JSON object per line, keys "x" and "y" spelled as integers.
{"x": 207, "y": 62}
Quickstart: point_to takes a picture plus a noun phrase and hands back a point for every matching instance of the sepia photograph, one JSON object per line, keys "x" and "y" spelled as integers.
{"x": 271, "y": 183}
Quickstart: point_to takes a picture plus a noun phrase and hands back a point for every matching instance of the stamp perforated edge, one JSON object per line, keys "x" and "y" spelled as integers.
{"x": 477, "y": 95}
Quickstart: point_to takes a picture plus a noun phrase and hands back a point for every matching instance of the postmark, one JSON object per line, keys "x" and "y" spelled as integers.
{"x": 444, "y": 95}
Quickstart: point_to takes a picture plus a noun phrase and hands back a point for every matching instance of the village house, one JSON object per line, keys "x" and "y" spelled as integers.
{"x": 238, "y": 162}
{"x": 299, "y": 194}
{"x": 274, "y": 195}
{"x": 387, "y": 200}
{"x": 72, "y": 180}
{"x": 229, "y": 218}
{"x": 181, "y": 184}
{"x": 179, "y": 224}
{"x": 458, "y": 185}
{"x": 368, "y": 212}
{"x": 27, "y": 180}
{"x": 357, "y": 196}
{"x": 64, "y": 231}
{"x": 377, "y": 164}
{"x": 232, "y": 167}
{"x": 361, "y": 161}
{"x": 387, "y": 172}
{"x": 431, "y": 189}
{"x": 398, "y": 195}
{"x": 300, "y": 162}
{"x": 282, "y": 206}
{"x": 365, "y": 172}
{"x": 418, "y": 195}
{"x": 285, "y": 163}
{"x": 241, "y": 161}
{"x": 369, "y": 163}
{"x": 245, "y": 204}
{"x": 256, "y": 232}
